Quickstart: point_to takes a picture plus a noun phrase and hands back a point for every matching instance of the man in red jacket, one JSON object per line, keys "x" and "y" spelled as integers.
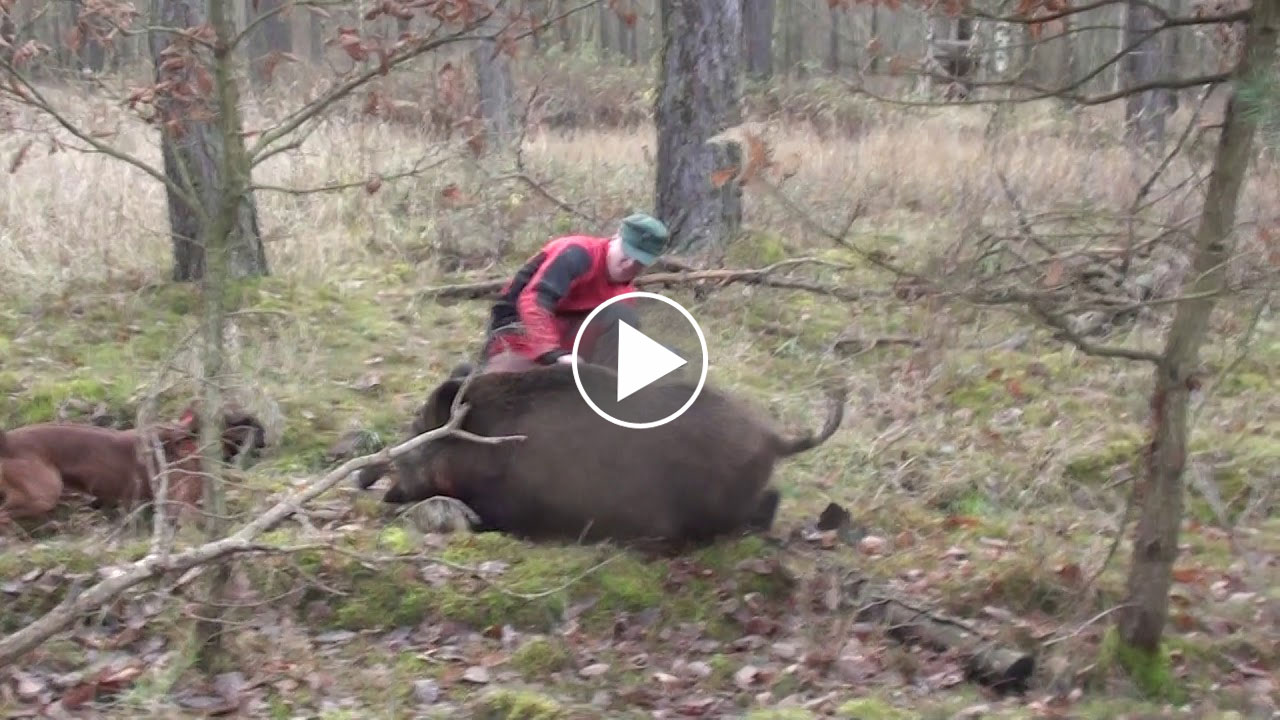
{"x": 537, "y": 315}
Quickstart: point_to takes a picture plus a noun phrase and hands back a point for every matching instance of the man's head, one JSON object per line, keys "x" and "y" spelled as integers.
{"x": 639, "y": 242}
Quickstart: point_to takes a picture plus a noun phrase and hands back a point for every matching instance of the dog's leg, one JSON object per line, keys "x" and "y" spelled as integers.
{"x": 30, "y": 489}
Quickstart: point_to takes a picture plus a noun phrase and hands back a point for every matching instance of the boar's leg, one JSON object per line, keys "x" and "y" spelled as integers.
{"x": 766, "y": 510}
{"x": 369, "y": 474}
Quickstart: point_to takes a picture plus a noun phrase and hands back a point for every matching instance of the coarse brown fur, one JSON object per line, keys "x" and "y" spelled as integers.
{"x": 39, "y": 462}
{"x": 577, "y": 476}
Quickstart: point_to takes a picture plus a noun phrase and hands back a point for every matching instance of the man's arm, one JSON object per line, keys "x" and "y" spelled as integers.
{"x": 537, "y": 303}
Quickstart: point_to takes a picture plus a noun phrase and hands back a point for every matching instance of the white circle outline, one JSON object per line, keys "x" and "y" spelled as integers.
{"x": 577, "y": 379}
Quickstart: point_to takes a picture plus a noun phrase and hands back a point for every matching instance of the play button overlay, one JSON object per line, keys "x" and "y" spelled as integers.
{"x": 641, "y": 361}
{"x": 657, "y": 351}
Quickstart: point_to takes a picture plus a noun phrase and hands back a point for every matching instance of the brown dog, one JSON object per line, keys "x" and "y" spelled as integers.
{"x": 38, "y": 462}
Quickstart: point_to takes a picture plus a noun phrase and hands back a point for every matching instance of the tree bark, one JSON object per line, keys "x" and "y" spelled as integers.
{"x": 1145, "y": 113}
{"x": 833, "y": 39}
{"x": 757, "y": 19}
{"x": 191, "y": 141}
{"x": 494, "y": 85}
{"x": 272, "y": 34}
{"x": 699, "y": 94}
{"x": 1155, "y": 547}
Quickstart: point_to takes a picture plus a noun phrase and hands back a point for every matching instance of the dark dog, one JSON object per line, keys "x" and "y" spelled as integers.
{"x": 577, "y": 476}
{"x": 39, "y": 462}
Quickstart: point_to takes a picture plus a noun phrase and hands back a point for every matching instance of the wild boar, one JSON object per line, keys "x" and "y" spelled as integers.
{"x": 577, "y": 476}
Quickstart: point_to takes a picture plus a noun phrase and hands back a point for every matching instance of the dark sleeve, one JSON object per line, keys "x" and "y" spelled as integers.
{"x": 538, "y": 300}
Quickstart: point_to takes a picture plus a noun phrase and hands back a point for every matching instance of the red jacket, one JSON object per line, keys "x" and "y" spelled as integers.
{"x": 568, "y": 277}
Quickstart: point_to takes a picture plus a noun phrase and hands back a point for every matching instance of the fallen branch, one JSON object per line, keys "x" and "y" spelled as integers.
{"x": 488, "y": 289}
{"x": 155, "y": 565}
{"x": 998, "y": 667}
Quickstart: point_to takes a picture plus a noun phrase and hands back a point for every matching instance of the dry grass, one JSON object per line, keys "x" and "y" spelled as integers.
{"x": 928, "y": 174}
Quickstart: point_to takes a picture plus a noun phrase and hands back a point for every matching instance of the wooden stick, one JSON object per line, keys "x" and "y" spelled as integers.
{"x": 488, "y": 289}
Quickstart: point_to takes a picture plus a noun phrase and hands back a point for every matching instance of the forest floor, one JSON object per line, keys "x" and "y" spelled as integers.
{"x": 984, "y": 463}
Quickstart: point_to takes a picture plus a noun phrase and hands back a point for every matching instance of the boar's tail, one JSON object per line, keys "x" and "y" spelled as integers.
{"x": 836, "y": 396}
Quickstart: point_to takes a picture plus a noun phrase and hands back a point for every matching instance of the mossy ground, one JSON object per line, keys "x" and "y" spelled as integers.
{"x": 986, "y": 481}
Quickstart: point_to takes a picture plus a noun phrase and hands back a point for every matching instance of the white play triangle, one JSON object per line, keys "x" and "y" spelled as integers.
{"x": 641, "y": 361}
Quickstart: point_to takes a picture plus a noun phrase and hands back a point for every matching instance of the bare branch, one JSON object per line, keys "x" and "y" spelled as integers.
{"x": 1065, "y": 332}
{"x": 418, "y": 168}
{"x": 719, "y": 278}
{"x": 236, "y": 39}
{"x": 33, "y": 97}
{"x": 340, "y": 91}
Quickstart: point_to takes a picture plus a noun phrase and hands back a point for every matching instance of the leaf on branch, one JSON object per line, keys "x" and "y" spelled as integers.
{"x": 350, "y": 41}
{"x": 273, "y": 60}
{"x": 27, "y": 52}
{"x": 20, "y": 157}
{"x": 204, "y": 81}
{"x": 373, "y": 184}
{"x": 759, "y": 157}
{"x": 625, "y": 11}
{"x": 319, "y": 11}
{"x": 73, "y": 39}
{"x": 449, "y": 85}
{"x": 453, "y": 196}
{"x": 1053, "y": 277}
{"x": 1270, "y": 240}
{"x": 722, "y": 176}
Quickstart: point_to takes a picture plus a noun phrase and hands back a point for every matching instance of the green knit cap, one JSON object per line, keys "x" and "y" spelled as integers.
{"x": 644, "y": 237}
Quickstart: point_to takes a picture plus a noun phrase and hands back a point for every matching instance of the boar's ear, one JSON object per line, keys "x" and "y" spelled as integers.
{"x": 440, "y": 404}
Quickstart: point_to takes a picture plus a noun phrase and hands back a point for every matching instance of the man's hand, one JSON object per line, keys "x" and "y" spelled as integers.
{"x": 565, "y": 359}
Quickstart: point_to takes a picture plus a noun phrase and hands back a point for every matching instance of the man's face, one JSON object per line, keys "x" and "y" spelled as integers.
{"x": 621, "y": 267}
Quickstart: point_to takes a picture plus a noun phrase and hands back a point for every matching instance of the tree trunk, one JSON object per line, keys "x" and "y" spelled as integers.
{"x": 833, "y": 40}
{"x": 562, "y": 26}
{"x": 1156, "y": 545}
{"x": 8, "y": 33}
{"x": 270, "y": 35}
{"x": 757, "y": 19}
{"x": 191, "y": 143}
{"x": 218, "y": 236}
{"x": 698, "y": 97}
{"x": 603, "y": 36}
{"x": 494, "y": 85}
{"x": 1144, "y": 113}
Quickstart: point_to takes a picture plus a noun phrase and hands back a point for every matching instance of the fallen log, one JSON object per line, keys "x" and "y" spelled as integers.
{"x": 488, "y": 289}
{"x": 1001, "y": 668}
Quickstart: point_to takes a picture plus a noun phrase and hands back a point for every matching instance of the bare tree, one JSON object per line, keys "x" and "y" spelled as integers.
{"x": 699, "y": 92}
{"x": 1062, "y": 281}
{"x": 495, "y": 88}
{"x": 1146, "y": 113}
{"x": 198, "y": 128}
{"x": 757, "y": 20}
{"x": 1156, "y": 544}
